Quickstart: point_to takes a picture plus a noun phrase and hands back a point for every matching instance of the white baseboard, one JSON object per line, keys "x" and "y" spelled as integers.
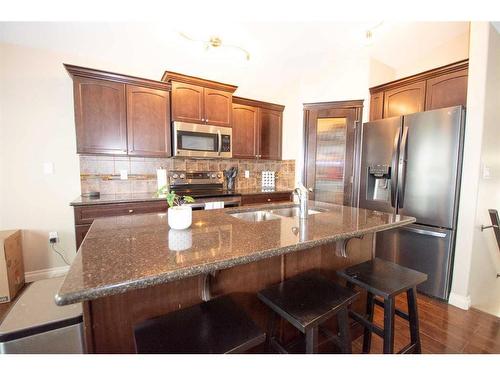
{"x": 45, "y": 274}
{"x": 462, "y": 302}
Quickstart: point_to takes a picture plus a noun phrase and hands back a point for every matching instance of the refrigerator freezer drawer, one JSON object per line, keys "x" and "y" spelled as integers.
{"x": 422, "y": 248}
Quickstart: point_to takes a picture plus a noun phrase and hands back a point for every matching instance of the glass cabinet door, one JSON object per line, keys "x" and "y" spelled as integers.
{"x": 331, "y": 134}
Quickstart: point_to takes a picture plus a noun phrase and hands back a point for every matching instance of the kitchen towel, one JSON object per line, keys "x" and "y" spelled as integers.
{"x": 161, "y": 177}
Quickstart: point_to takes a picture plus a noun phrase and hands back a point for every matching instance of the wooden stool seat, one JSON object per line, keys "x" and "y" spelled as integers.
{"x": 386, "y": 279}
{"x": 306, "y": 301}
{"x": 215, "y": 327}
{"x": 382, "y": 278}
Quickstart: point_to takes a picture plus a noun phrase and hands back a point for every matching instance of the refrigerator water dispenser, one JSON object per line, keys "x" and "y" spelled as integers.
{"x": 379, "y": 183}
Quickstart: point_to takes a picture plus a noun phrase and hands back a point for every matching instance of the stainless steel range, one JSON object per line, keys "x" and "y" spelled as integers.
{"x": 206, "y": 187}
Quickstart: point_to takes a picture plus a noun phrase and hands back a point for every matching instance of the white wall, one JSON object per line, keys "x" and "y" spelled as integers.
{"x": 474, "y": 275}
{"x": 453, "y": 50}
{"x": 484, "y": 286}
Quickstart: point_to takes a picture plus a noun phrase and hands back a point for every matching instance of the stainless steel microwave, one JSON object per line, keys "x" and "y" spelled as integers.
{"x": 204, "y": 141}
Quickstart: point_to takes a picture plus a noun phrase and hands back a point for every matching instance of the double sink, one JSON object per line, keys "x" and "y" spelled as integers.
{"x": 273, "y": 214}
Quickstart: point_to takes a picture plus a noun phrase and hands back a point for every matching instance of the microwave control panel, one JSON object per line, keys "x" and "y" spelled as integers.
{"x": 226, "y": 143}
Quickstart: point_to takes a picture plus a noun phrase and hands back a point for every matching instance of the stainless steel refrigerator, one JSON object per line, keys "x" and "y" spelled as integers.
{"x": 411, "y": 165}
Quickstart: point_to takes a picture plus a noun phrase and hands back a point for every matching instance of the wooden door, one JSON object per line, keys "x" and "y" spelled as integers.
{"x": 330, "y": 153}
{"x": 404, "y": 100}
{"x": 245, "y": 131}
{"x": 447, "y": 90}
{"x": 270, "y": 134}
{"x": 187, "y": 103}
{"x": 148, "y": 122}
{"x": 376, "y": 106}
{"x": 217, "y": 107}
{"x": 100, "y": 116}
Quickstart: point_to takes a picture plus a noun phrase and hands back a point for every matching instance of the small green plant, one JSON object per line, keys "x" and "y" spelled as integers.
{"x": 172, "y": 198}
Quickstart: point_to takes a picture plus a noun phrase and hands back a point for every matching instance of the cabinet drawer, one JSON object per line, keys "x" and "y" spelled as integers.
{"x": 265, "y": 198}
{"x": 87, "y": 214}
{"x": 80, "y": 233}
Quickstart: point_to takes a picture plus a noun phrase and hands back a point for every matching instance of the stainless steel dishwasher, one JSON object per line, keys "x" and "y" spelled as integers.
{"x": 36, "y": 325}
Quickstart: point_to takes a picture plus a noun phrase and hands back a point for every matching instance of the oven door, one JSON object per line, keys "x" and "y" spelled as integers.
{"x": 205, "y": 141}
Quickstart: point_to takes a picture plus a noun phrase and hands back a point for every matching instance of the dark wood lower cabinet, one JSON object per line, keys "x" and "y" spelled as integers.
{"x": 266, "y": 198}
{"x": 85, "y": 215}
{"x": 109, "y": 321}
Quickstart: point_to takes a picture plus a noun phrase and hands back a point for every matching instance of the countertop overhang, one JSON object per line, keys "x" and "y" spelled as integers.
{"x": 131, "y": 252}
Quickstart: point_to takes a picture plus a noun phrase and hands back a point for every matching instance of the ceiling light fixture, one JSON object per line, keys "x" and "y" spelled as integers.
{"x": 215, "y": 42}
{"x": 369, "y": 33}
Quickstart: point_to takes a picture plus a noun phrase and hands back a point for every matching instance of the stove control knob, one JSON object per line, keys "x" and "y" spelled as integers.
{"x": 213, "y": 176}
{"x": 175, "y": 175}
{"x": 182, "y": 176}
{"x": 218, "y": 176}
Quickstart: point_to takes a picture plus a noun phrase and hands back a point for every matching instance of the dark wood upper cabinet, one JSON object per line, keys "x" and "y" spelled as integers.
{"x": 245, "y": 131}
{"x": 376, "y": 106}
{"x": 148, "y": 121}
{"x": 218, "y": 107}
{"x": 447, "y": 90}
{"x": 257, "y": 129}
{"x": 100, "y": 116}
{"x": 120, "y": 114}
{"x": 187, "y": 103}
{"x": 200, "y": 100}
{"x": 404, "y": 100}
{"x": 270, "y": 134}
{"x": 445, "y": 86}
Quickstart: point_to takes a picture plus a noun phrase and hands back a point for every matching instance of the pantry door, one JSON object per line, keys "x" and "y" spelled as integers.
{"x": 331, "y": 135}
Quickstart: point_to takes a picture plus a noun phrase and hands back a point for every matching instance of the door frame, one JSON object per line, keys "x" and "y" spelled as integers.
{"x": 309, "y": 109}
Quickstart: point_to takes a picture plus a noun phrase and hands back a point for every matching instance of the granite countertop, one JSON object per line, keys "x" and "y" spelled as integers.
{"x": 130, "y": 252}
{"x": 148, "y": 197}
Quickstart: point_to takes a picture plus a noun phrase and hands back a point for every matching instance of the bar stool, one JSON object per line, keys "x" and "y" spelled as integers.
{"x": 306, "y": 301}
{"x": 218, "y": 326}
{"x": 386, "y": 279}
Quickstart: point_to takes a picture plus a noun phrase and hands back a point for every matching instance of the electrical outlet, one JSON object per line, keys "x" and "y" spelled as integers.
{"x": 247, "y": 174}
{"x": 53, "y": 237}
{"x": 123, "y": 174}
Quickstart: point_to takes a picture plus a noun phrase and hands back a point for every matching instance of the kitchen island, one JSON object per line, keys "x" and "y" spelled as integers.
{"x": 132, "y": 268}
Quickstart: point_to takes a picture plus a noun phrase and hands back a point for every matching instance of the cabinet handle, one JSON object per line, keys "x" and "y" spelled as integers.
{"x": 130, "y": 211}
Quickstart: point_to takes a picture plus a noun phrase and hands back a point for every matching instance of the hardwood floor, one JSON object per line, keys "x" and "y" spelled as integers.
{"x": 443, "y": 329}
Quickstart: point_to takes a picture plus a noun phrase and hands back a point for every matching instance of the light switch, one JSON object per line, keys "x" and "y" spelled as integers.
{"x": 48, "y": 167}
{"x": 486, "y": 172}
{"x": 247, "y": 174}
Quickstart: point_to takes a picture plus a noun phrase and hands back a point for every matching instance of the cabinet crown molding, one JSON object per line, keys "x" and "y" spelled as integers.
{"x": 258, "y": 103}
{"x": 81, "y": 71}
{"x": 456, "y": 66}
{"x": 178, "y": 77}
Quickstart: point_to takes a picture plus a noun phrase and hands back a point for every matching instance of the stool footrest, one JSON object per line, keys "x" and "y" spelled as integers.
{"x": 410, "y": 348}
{"x": 365, "y": 323}
{"x": 398, "y": 312}
{"x": 331, "y": 336}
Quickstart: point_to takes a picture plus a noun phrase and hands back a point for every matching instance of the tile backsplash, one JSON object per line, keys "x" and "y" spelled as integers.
{"x": 102, "y": 173}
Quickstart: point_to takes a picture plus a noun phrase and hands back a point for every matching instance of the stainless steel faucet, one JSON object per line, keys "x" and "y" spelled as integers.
{"x": 303, "y": 195}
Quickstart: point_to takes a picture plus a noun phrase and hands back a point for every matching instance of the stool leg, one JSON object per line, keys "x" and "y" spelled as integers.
{"x": 411, "y": 295}
{"x": 367, "y": 334}
{"x": 271, "y": 328}
{"x": 312, "y": 340}
{"x": 389, "y": 325}
{"x": 344, "y": 330}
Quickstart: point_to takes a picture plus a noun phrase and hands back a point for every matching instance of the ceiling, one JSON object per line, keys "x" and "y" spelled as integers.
{"x": 394, "y": 44}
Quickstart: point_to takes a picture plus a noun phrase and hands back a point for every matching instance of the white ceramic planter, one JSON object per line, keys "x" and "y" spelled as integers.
{"x": 180, "y": 217}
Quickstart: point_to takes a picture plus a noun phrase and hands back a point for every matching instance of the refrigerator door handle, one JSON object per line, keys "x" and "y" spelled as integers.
{"x": 424, "y": 232}
{"x": 394, "y": 165}
{"x": 402, "y": 168}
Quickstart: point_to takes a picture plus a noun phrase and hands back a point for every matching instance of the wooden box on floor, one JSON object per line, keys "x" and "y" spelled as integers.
{"x": 11, "y": 264}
